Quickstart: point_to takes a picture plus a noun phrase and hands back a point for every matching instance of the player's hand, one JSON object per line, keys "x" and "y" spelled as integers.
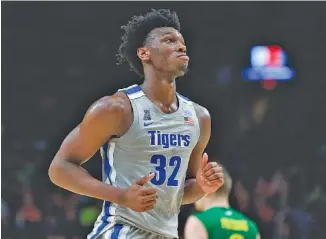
{"x": 210, "y": 176}
{"x": 139, "y": 198}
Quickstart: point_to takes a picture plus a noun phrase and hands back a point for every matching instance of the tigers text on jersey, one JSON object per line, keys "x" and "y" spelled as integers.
{"x": 155, "y": 142}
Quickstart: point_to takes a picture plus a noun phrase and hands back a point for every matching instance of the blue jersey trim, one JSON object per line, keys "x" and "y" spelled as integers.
{"x": 183, "y": 97}
{"x": 107, "y": 168}
{"x": 132, "y": 90}
{"x": 99, "y": 230}
{"x": 116, "y": 231}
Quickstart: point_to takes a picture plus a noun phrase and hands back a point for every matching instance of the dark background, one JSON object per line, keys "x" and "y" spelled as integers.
{"x": 59, "y": 57}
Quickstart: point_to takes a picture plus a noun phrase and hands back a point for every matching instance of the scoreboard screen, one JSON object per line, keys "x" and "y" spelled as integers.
{"x": 268, "y": 64}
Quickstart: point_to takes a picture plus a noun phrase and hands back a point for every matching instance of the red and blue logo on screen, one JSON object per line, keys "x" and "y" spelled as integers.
{"x": 268, "y": 63}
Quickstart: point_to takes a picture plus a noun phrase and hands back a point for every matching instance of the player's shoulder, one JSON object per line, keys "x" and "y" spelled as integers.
{"x": 117, "y": 104}
{"x": 253, "y": 224}
{"x": 207, "y": 218}
{"x": 250, "y": 221}
{"x": 205, "y": 214}
{"x": 184, "y": 98}
{"x": 237, "y": 213}
{"x": 200, "y": 216}
{"x": 202, "y": 112}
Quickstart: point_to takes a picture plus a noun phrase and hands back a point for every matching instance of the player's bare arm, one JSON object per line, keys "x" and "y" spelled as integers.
{"x": 203, "y": 177}
{"x": 194, "y": 229}
{"x": 107, "y": 117}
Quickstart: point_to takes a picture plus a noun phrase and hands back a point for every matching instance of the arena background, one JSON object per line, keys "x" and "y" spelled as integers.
{"x": 59, "y": 57}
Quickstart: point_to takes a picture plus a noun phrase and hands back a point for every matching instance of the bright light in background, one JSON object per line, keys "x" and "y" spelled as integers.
{"x": 259, "y": 56}
{"x": 268, "y": 65}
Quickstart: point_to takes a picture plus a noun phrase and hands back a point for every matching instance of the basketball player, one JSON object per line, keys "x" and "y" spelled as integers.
{"x": 150, "y": 137}
{"x": 217, "y": 219}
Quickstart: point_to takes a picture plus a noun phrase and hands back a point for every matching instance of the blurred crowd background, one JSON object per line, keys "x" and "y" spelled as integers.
{"x": 59, "y": 57}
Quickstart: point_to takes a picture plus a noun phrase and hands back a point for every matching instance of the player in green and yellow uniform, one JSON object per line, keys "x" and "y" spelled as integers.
{"x": 217, "y": 220}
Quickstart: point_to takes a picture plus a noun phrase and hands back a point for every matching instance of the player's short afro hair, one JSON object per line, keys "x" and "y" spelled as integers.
{"x": 136, "y": 32}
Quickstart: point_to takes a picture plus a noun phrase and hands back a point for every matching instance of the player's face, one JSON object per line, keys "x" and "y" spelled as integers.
{"x": 167, "y": 51}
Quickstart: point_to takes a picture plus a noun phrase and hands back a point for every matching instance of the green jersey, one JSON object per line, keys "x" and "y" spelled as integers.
{"x": 227, "y": 223}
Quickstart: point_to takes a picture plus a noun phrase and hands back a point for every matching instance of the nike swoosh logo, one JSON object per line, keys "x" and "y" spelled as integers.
{"x": 148, "y": 123}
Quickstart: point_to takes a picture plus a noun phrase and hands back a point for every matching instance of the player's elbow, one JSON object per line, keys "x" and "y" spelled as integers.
{"x": 55, "y": 171}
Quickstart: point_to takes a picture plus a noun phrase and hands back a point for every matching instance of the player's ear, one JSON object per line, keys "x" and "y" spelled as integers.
{"x": 143, "y": 53}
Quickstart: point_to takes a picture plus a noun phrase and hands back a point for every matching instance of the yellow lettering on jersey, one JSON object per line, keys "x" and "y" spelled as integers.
{"x": 236, "y": 236}
{"x": 235, "y": 225}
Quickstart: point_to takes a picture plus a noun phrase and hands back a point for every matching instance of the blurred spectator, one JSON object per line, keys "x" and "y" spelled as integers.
{"x": 5, "y": 213}
{"x": 88, "y": 214}
{"x": 72, "y": 227}
{"x": 242, "y": 196}
{"x": 6, "y": 229}
{"x": 53, "y": 229}
{"x": 57, "y": 205}
{"x": 28, "y": 217}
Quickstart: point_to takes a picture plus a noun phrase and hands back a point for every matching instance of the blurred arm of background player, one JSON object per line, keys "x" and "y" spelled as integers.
{"x": 203, "y": 177}
{"x": 109, "y": 116}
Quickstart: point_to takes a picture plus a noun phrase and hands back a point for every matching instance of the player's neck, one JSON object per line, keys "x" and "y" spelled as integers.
{"x": 218, "y": 202}
{"x": 160, "y": 89}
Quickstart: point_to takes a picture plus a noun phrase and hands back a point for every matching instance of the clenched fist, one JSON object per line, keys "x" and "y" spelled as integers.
{"x": 139, "y": 198}
{"x": 210, "y": 176}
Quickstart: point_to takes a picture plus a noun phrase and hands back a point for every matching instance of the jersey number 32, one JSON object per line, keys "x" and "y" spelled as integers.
{"x": 160, "y": 161}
